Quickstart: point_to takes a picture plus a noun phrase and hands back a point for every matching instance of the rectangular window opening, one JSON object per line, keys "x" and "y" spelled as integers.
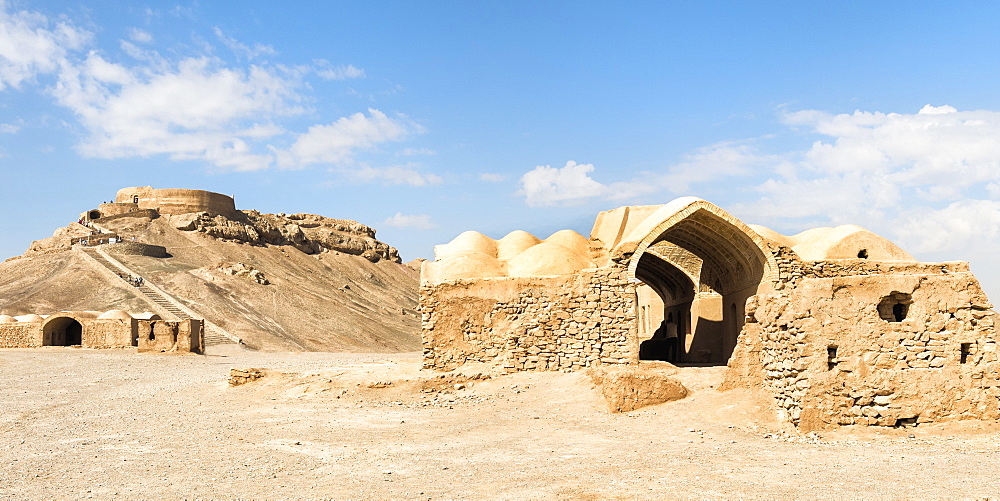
{"x": 831, "y": 357}
{"x": 966, "y": 350}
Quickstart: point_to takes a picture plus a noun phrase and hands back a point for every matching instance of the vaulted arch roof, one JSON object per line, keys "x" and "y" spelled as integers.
{"x": 672, "y": 284}
{"x": 728, "y": 248}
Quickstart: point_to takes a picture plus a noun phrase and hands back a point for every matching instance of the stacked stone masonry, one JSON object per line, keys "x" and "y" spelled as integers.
{"x": 137, "y": 249}
{"x": 91, "y": 331}
{"x": 860, "y": 333}
{"x": 540, "y": 323}
{"x": 831, "y": 357}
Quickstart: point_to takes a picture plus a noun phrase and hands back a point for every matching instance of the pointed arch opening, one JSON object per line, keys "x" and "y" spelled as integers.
{"x": 666, "y": 306}
{"x": 724, "y": 261}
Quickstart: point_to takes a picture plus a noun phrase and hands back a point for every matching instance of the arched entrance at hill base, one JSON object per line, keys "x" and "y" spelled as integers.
{"x": 62, "y": 331}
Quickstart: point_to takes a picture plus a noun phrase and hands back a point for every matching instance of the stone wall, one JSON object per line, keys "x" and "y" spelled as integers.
{"x": 791, "y": 269}
{"x": 112, "y": 209}
{"x": 167, "y": 336}
{"x": 144, "y": 213}
{"x": 136, "y": 249}
{"x": 20, "y": 335}
{"x": 107, "y": 333}
{"x": 539, "y": 323}
{"x": 172, "y": 336}
{"x": 178, "y": 201}
{"x": 837, "y": 351}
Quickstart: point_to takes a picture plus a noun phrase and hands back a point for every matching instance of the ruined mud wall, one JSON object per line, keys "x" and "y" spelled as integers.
{"x": 839, "y": 351}
{"x": 106, "y": 333}
{"x": 531, "y": 324}
{"x": 20, "y": 335}
{"x": 178, "y": 201}
{"x": 136, "y": 249}
{"x": 112, "y": 209}
{"x": 184, "y": 336}
{"x": 144, "y": 213}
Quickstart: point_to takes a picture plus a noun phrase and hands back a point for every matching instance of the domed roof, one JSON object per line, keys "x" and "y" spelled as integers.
{"x": 470, "y": 241}
{"x": 846, "y": 242}
{"x": 464, "y": 265}
{"x": 114, "y": 315}
{"x": 29, "y": 318}
{"x": 515, "y": 243}
{"x": 147, "y": 315}
{"x": 546, "y": 258}
{"x": 770, "y": 234}
{"x": 6, "y": 319}
{"x": 572, "y": 241}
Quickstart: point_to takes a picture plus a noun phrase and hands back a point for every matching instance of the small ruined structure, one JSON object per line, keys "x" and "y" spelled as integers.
{"x": 838, "y": 324}
{"x": 93, "y": 329}
{"x": 216, "y": 215}
{"x": 165, "y": 201}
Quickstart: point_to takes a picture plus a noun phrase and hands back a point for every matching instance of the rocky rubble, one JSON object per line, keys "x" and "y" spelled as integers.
{"x": 61, "y": 239}
{"x": 243, "y": 270}
{"x": 310, "y": 233}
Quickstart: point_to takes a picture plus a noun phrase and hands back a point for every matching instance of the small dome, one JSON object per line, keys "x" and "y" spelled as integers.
{"x": 572, "y": 241}
{"x": 114, "y": 315}
{"x": 470, "y": 241}
{"x": 546, "y": 258}
{"x": 29, "y": 318}
{"x": 147, "y": 315}
{"x": 846, "y": 242}
{"x": 7, "y": 319}
{"x": 770, "y": 234}
{"x": 515, "y": 243}
{"x": 466, "y": 265}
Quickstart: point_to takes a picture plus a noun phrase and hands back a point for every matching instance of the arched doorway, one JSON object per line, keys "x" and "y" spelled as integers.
{"x": 62, "y": 331}
{"x": 724, "y": 262}
{"x": 666, "y": 270}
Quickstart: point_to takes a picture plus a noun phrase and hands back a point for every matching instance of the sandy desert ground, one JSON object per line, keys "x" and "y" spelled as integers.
{"x": 113, "y": 424}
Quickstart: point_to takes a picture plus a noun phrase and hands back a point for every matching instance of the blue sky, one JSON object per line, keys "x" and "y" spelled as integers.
{"x": 425, "y": 119}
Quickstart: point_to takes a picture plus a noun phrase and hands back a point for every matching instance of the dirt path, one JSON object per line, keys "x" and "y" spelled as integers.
{"x": 114, "y": 424}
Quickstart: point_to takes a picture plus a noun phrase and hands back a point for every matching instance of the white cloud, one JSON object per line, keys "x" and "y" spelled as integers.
{"x": 194, "y": 106}
{"x": 139, "y": 36}
{"x": 710, "y": 164}
{"x": 928, "y": 179}
{"x": 545, "y": 185}
{"x": 198, "y": 108}
{"x": 965, "y": 224}
{"x": 868, "y": 163}
{"x": 413, "y": 152}
{"x": 492, "y": 178}
{"x": 9, "y": 128}
{"x": 30, "y": 45}
{"x": 415, "y": 221}
{"x": 327, "y": 71}
{"x": 337, "y": 142}
{"x": 396, "y": 174}
{"x": 242, "y": 49}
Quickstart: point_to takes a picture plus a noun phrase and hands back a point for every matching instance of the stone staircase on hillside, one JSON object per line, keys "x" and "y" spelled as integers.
{"x": 163, "y": 302}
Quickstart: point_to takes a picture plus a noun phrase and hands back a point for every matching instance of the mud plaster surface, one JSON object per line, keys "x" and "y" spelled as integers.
{"x": 114, "y": 424}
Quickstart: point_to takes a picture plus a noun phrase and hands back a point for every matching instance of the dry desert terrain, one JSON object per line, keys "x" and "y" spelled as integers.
{"x": 113, "y": 424}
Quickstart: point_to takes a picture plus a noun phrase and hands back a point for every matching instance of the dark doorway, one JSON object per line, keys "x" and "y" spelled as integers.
{"x": 63, "y": 331}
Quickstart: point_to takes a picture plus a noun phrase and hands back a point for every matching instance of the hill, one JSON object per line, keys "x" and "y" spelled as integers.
{"x": 297, "y": 282}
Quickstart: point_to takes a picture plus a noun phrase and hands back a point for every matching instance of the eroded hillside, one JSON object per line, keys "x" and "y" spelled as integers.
{"x": 279, "y": 282}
